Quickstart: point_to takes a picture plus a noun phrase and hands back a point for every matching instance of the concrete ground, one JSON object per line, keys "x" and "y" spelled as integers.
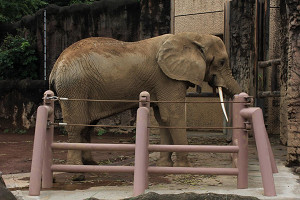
{"x": 287, "y": 183}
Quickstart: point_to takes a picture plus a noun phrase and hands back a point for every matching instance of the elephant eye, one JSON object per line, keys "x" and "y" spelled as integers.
{"x": 222, "y": 62}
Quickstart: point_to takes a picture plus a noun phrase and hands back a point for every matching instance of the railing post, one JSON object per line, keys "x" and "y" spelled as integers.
{"x": 265, "y": 155}
{"x": 240, "y": 139}
{"x": 141, "y": 152}
{"x": 145, "y": 102}
{"x": 38, "y": 151}
{"x": 47, "y": 179}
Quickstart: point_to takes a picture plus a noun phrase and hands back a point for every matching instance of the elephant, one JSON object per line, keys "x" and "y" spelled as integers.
{"x": 165, "y": 66}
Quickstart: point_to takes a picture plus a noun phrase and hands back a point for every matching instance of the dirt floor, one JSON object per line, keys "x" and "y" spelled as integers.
{"x": 16, "y": 152}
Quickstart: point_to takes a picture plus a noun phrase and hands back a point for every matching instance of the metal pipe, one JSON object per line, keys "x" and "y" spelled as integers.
{"x": 240, "y": 139}
{"x": 144, "y": 99}
{"x": 189, "y": 170}
{"x": 47, "y": 174}
{"x": 194, "y": 148}
{"x": 45, "y": 45}
{"x": 268, "y": 63}
{"x": 94, "y": 147}
{"x": 265, "y": 155}
{"x": 92, "y": 168}
{"x": 38, "y": 151}
{"x": 141, "y": 152}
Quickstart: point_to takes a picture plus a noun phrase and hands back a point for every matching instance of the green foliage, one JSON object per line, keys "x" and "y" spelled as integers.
{"x": 6, "y": 130}
{"x": 20, "y": 131}
{"x": 62, "y": 130}
{"x": 69, "y": 2}
{"x": 81, "y": 1}
{"x": 101, "y": 132}
{"x": 14, "y": 10}
{"x": 18, "y": 59}
{"x": 17, "y": 131}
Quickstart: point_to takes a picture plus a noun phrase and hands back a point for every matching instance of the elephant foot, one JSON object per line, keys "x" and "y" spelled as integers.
{"x": 89, "y": 162}
{"x": 164, "y": 163}
{"x": 78, "y": 177}
{"x": 182, "y": 164}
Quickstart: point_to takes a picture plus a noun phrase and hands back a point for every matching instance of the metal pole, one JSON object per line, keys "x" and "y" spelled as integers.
{"x": 145, "y": 102}
{"x": 240, "y": 139}
{"x": 47, "y": 179}
{"x": 38, "y": 151}
{"x": 141, "y": 152}
{"x": 265, "y": 155}
{"x": 172, "y": 14}
{"x": 45, "y": 46}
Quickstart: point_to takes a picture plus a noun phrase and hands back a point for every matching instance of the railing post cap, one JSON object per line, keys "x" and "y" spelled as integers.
{"x": 49, "y": 93}
{"x": 144, "y": 93}
{"x": 243, "y": 94}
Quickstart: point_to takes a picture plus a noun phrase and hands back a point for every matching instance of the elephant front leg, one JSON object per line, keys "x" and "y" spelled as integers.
{"x": 179, "y": 137}
{"x": 165, "y": 157}
{"x": 174, "y": 116}
{"x": 165, "y": 138}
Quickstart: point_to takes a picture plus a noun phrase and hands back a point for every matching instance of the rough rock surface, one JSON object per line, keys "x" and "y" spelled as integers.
{"x": 190, "y": 196}
{"x": 5, "y": 194}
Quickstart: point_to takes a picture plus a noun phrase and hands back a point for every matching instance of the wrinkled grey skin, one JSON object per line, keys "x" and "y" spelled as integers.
{"x": 104, "y": 68}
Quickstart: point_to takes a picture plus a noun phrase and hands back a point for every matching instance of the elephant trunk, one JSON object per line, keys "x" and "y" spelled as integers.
{"x": 232, "y": 87}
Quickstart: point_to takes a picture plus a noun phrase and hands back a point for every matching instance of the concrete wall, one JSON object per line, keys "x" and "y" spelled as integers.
{"x": 205, "y": 17}
{"x": 201, "y": 16}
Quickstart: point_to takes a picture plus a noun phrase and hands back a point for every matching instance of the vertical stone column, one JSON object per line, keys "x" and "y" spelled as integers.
{"x": 283, "y": 73}
{"x": 241, "y": 42}
{"x": 272, "y": 76}
{"x": 293, "y": 82}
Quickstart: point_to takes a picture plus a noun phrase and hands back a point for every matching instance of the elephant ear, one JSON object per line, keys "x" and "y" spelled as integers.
{"x": 182, "y": 59}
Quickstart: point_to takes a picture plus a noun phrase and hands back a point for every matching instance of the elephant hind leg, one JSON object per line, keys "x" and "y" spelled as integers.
{"x": 165, "y": 137}
{"x": 75, "y": 112}
{"x": 87, "y": 158}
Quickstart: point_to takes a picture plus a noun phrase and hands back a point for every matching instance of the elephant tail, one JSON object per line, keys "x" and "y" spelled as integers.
{"x": 52, "y": 85}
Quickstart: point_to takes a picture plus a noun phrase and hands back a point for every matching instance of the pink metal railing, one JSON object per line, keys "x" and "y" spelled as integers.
{"x": 42, "y": 168}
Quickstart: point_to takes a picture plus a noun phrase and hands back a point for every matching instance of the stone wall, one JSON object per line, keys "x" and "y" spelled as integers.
{"x": 242, "y": 20}
{"x": 126, "y": 20}
{"x": 272, "y": 73}
{"x": 293, "y": 82}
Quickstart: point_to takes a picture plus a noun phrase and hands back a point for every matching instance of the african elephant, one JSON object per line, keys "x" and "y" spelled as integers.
{"x": 165, "y": 66}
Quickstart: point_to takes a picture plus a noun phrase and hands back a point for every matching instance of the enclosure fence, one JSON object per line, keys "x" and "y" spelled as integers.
{"x": 244, "y": 118}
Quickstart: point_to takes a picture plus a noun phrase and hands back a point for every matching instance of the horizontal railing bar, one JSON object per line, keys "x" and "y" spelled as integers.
{"x": 153, "y": 170}
{"x": 190, "y": 170}
{"x": 159, "y": 148}
{"x": 92, "y": 168}
{"x": 95, "y": 147}
{"x": 194, "y": 148}
{"x": 193, "y": 127}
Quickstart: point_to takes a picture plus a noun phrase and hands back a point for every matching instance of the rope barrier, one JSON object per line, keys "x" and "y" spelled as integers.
{"x": 91, "y": 125}
{"x": 152, "y": 127}
{"x": 55, "y": 98}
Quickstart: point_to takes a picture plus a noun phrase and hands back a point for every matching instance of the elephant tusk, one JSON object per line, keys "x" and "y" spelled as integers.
{"x": 222, "y": 102}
